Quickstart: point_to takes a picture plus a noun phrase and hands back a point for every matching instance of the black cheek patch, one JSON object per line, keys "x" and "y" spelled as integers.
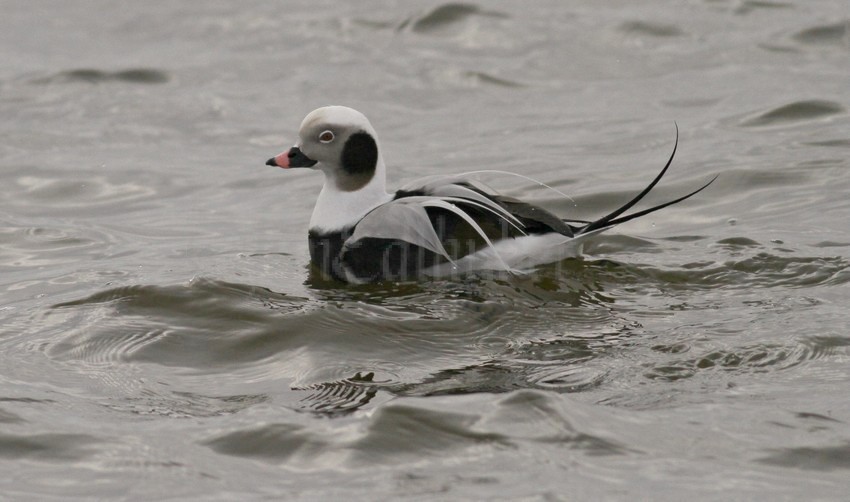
{"x": 360, "y": 154}
{"x": 359, "y": 159}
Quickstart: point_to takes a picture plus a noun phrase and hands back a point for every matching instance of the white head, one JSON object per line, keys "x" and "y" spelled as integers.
{"x": 341, "y": 143}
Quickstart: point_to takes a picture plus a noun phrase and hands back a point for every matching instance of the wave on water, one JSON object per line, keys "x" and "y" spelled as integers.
{"x": 826, "y": 458}
{"x": 342, "y": 349}
{"x": 95, "y": 76}
{"x": 796, "y": 112}
{"x": 48, "y": 447}
{"x": 410, "y": 430}
{"x": 446, "y": 17}
{"x": 827, "y": 34}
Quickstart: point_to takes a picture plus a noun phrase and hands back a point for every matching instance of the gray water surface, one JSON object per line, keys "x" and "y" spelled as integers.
{"x": 161, "y": 335}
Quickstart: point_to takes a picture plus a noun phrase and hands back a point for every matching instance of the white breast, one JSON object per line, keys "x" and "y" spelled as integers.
{"x": 337, "y": 209}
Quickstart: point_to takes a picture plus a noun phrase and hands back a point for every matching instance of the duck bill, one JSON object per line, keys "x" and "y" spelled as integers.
{"x": 293, "y": 157}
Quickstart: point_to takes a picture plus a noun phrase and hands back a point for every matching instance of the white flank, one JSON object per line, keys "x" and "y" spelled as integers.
{"x": 517, "y": 255}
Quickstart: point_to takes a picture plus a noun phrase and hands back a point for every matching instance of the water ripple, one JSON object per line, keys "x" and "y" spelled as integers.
{"x": 821, "y": 346}
{"x": 94, "y": 76}
{"x": 764, "y": 270}
{"x": 340, "y": 397}
{"x": 350, "y": 348}
{"x": 38, "y": 191}
{"x": 824, "y": 458}
{"x": 192, "y": 325}
{"x": 796, "y": 112}
{"x": 652, "y": 29}
{"x": 408, "y": 430}
{"x": 756, "y": 358}
{"x": 7, "y": 417}
{"x": 827, "y": 34}
{"x": 445, "y": 17}
{"x": 41, "y": 246}
{"x": 182, "y": 404}
{"x": 47, "y": 447}
{"x": 749, "y": 6}
{"x": 428, "y": 338}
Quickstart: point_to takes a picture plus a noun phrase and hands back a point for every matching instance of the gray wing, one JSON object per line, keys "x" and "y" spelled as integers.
{"x": 407, "y": 220}
{"x": 531, "y": 218}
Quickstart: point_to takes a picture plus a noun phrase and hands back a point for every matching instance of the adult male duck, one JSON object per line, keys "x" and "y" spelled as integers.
{"x": 437, "y": 226}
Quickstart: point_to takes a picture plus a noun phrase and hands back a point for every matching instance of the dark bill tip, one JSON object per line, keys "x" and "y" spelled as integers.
{"x": 272, "y": 162}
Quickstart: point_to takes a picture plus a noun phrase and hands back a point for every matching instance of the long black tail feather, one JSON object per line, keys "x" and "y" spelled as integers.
{"x": 612, "y": 219}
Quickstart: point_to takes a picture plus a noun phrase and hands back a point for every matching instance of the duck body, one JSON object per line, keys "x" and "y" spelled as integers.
{"x": 431, "y": 235}
{"x": 434, "y": 227}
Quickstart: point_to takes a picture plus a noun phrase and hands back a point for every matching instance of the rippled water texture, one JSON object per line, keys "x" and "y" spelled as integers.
{"x": 162, "y": 336}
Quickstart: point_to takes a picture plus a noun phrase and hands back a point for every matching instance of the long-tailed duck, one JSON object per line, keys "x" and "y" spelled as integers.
{"x": 437, "y": 226}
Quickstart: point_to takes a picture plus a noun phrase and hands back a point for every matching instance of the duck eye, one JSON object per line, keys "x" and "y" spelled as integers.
{"x": 326, "y": 137}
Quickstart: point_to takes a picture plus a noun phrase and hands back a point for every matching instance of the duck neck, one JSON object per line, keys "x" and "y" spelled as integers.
{"x": 337, "y": 209}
